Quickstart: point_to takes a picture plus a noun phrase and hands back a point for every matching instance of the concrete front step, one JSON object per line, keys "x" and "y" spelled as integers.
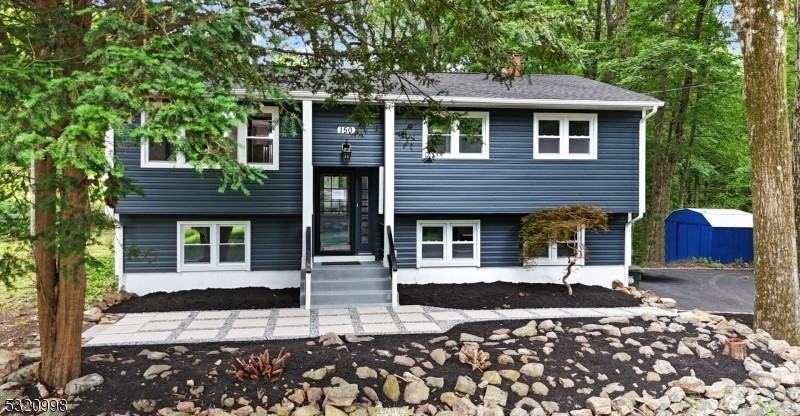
{"x": 341, "y": 285}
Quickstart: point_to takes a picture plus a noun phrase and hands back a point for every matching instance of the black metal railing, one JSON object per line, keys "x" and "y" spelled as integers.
{"x": 308, "y": 250}
{"x": 392, "y": 255}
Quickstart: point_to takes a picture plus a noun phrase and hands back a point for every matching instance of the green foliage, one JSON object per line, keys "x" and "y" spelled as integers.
{"x": 551, "y": 225}
{"x": 100, "y": 276}
{"x": 705, "y": 261}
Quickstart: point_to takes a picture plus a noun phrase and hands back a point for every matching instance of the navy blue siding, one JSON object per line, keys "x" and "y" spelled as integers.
{"x": 181, "y": 191}
{"x": 511, "y": 181}
{"x": 367, "y": 150}
{"x": 276, "y": 242}
{"x": 499, "y": 240}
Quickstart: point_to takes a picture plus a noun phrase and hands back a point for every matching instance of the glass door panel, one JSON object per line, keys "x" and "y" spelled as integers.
{"x": 335, "y": 216}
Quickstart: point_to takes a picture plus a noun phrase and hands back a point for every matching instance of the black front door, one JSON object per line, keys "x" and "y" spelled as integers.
{"x": 346, "y": 211}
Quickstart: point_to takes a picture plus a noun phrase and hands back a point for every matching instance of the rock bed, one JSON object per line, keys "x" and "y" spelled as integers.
{"x": 576, "y": 367}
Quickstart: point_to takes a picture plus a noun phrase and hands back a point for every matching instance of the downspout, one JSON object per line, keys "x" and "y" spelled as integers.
{"x": 642, "y": 159}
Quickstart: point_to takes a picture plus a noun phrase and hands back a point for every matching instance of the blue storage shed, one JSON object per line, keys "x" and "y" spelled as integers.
{"x": 724, "y": 235}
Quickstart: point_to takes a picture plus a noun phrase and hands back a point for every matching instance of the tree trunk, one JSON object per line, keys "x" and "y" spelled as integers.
{"x": 44, "y": 219}
{"x": 796, "y": 126}
{"x": 761, "y": 26}
{"x": 64, "y": 319}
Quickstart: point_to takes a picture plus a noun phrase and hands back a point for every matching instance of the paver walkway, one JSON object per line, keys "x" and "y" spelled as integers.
{"x": 268, "y": 324}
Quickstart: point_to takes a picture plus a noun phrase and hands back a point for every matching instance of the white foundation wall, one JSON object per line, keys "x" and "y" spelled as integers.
{"x": 144, "y": 283}
{"x": 587, "y": 275}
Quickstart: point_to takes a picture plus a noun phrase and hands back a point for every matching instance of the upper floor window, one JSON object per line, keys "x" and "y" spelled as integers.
{"x": 258, "y": 139}
{"x": 466, "y": 138}
{"x": 564, "y": 136}
{"x": 160, "y": 155}
{"x": 256, "y": 143}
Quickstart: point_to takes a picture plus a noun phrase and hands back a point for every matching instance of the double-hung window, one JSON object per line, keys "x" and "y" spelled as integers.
{"x": 259, "y": 139}
{"x": 564, "y": 136}
{"x": 220, "y": 245}
{"x": 448, "y": 243}
{"x": 560, "y": 251}
{"x": 160, "y": 155}
{"x": 466, "y": 138}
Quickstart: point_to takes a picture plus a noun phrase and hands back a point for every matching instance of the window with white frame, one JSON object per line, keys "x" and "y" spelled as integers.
{"x": 448, "y": 243}
{"x": 259, "y": 139}
{"x": 466, "y": 138}
{"x": 564, "y": 136}
{"x": 560, "y": 251}
{"x": 160, "y": 155}
{"x": 220, "y": 245}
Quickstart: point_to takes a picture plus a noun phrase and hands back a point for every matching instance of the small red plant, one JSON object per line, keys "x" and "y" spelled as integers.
{"x": 260, "y": 366}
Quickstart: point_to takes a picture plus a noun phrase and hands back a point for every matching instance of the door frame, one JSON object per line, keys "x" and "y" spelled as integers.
{"x": 318, "y": 174}
{"x": 353, "y": 203}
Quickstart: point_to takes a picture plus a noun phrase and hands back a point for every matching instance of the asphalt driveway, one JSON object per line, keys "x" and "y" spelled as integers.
{"x": 710, "y": 290}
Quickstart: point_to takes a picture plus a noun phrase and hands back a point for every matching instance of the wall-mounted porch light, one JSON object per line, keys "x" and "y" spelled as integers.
{"x": 346, "y": 151}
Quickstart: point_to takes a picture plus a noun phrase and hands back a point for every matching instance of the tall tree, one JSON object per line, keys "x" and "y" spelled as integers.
{"x": 71, "y": 70}
{"x": 761, "y": 25}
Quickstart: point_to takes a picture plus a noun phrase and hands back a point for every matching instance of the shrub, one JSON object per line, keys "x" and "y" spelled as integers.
{"x": 100, "y": 276}
{"x": 549, "y": 226}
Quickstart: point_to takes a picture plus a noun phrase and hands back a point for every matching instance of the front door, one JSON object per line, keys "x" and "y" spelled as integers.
{"x": 345, "y": 211}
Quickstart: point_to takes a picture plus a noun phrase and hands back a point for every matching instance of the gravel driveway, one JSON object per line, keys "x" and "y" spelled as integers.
{"x": 710, "y": 290}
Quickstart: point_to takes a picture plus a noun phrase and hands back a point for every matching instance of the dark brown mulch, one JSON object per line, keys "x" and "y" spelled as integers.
{"x": 124, "y": 382}
{"x": 502, "y": 295}
{"x": 211, "y": 300}
{"x": 496, "y": 295}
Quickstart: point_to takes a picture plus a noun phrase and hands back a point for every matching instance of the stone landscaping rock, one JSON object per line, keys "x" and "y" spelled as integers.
{"x": 439, "y": 356}
{"x": 404, "y": 360}
{"x": 465, "y": 385}
{"x": 491, "y": 377}
{"x": 391, "y": 388}
{"x": 154, "y": 370}
{"x": 494, "y": 395}
{"x": 416, "y": 392}
{"x": 532, "y": 369}
{"x": 599, "y": 405}
{"x": 539, "y": 389}
{"x": 520, "y": 389}
{"x": 9, "y": 362}
{"x": 366, "y": 372}
{"x": 663, "y": 367}
{"x": 82, "y": 384}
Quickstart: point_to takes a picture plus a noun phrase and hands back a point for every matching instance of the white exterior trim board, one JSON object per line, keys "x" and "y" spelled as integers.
{"x": 144, "y": 283}
{"x": 587, "y": 275}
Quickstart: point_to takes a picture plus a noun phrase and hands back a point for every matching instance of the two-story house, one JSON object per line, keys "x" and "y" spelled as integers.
{"x": 346, "y": 217}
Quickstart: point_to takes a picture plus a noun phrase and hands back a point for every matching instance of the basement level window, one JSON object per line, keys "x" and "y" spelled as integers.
{"x": 222, "y": 245}
{"x": 448, "y": 243}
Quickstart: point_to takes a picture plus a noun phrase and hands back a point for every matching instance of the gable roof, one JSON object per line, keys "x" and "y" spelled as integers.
{"x": 726, "y": 218}
{"x": 532, "y": 87}
{"x": 472, "y": 89}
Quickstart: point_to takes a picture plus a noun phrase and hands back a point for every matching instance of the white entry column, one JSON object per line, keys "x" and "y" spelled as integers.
{"x": 388, "y": 175}
{"x": 308, "y": 188}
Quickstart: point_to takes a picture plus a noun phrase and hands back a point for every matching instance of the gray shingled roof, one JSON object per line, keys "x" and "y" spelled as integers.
{"x": 532, "y": 87}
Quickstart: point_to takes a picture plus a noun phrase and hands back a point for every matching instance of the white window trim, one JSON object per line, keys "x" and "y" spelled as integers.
{"x": 448, "y": 261}
{"x": 552, "y": 258}
{"x": 564, "y": 119}
{"x": 180, "y": 159}
{"x": 241, "y": 140}
{"x": 214, "y": 265}
{"x": 454, "y": 136}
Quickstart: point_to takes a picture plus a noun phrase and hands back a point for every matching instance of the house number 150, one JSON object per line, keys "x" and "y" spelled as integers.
{"x": 346, "y": 130}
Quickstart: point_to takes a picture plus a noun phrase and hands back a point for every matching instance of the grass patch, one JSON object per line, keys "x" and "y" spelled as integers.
{"x": 99, "y": 277}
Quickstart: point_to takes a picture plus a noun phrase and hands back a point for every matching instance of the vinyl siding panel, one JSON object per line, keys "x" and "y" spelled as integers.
{"x": 511, "y": 181}
{"x": 499, "y": 240}
{"x": 367, "y": 150}
{"x": 276, "y": 242}
{"x": 181, "y": 191}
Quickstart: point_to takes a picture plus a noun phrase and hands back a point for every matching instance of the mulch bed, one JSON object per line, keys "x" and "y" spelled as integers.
{"x": 496, "y": 295}
{"x": 124, "y": 382}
